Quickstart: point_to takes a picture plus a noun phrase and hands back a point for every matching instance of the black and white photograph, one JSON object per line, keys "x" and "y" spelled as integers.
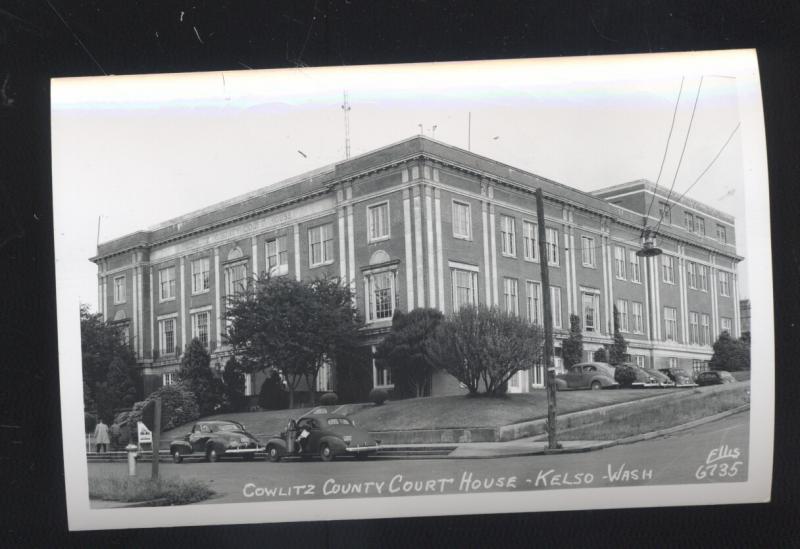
{"x": 413, "y": 290}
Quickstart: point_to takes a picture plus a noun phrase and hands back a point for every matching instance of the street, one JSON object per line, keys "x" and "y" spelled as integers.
{"x": 714, "y": 452}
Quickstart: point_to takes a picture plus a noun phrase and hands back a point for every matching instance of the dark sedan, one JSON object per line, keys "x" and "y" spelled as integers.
{"x": 324, "y": 435}
{"x": 587, "y": 375}
{"x": 714, "y": 377}
{"x": 216, "y": 439}
{"x": 679, "y": 376}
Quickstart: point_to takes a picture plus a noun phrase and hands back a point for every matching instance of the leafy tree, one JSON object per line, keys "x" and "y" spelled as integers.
{"x": 404, "y": 350}
{"x": 272, "y": 395}
{"x": 618, "y": 350}
{"x": 483, "y": 347}
{"x": 292, "y": 326}
{"x": 572, "y": 347}
{"x": 730, "y": 353}
{"x": 178, "y": 406}
{"x": 601, "y": 355}
{"x": 624, "y": 375}
{"x": 196, "y": 375}
{"x": 122, "y": 380}
{"x": 233, "y": 378}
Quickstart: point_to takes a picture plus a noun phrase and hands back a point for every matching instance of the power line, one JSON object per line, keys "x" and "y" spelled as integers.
{"x": 711, "y": 163}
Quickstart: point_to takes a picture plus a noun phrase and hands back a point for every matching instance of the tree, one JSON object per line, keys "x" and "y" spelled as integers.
{"x": 618, "y": 350}
{"x": 572, "y": 347}
{"x": 292, "y": 326}
{"x": 178, "y": 406}
{"x": 196, "y": 375}
{"x": 483, "y": 347}
{"x": 601, "y": 355}
{"x": 233, "y": 378}
{"x": 404, "y": 350}
{"x": 730, "y": 354}
{"x": 122, "y": 383}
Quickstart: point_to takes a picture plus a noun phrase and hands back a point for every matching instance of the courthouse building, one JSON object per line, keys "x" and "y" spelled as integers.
{"x": 423, "y": 224}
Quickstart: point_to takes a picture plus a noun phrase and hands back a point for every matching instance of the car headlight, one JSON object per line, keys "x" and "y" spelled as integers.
{"x": 244, "y": 439}
{"x": 347, "y": 439}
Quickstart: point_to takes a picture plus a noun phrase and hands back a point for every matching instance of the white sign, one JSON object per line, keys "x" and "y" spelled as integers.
{"x": 145, "y": 435}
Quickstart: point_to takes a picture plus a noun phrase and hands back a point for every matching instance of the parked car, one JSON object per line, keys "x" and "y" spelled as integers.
{"x": 649, "y": 378}
{"x": 587, "y": 375}
{"x": 714, "y": 377}
{"x": 216, "y": 439}
{"x": 679, "y": 376}
{"x": 322, "y": 434}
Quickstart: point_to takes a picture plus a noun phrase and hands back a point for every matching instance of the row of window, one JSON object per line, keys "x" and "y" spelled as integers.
{"x": 696, "y": 275}
{"x": 530, "y": 240}
{"x": 166, "y": 332}
{"x": 691, "y": 222}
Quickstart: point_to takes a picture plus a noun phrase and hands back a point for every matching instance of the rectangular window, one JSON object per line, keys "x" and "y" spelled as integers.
{"x": 702, "y": 277}
{"x": 378, "y": 218}
{"x": 169, "y": 378}
{"x": 200, "y": 327}
{"x": 200, "y": 275}
{"x": 166, "y": 282}
{"x": 465, "y": 288}
{"x": 533, "y": 291}
{"x": 320, "y": 244}
{"x": 277, "y": 256}
{"x": 119, "y": 289}
{"x": 590, "y": 303}
{"x": 724, "y": 284}
{"x": 640, "y": 360}
{"x": 668, "y": 268}
{"x": 636, "y": 273}
{"x": 325, "y": 377}
{"x": 248, "y": 384}
{"x": 555, "y": 306}
{"x": 619, "y": 262}
{"x": 124, "y": 334}
{"x": 664, "y": 213}
{"x": 688, "y": 221}
{"x": 381, "y": 375}
{"x": 637, "y": 318}
{"x": 698, "y": 366}
{"x": 691, "y": 274}
{"x": 700, "y": 226}
{"x": 705, "y": 329}
{"x": 380, "y": 298}
{"x": 725, "y": 324}
{"x": 694, "y": 328}
{"x": 462, "y": 220}
{"x": 166, "y": 333}
{"x": 670, "y": 323}
{"x": 235, "y": 279}
{"x": 508, "y": 235}
{"x": 722, "y": 235}
{"x": 622, "y": 314}
{"x": 530, "y": 240}
{"x": 510, "y": 295}
{"x": 672, "y": 362}
{"x": 587, "y": 251}
{"x": 552, "y": 246}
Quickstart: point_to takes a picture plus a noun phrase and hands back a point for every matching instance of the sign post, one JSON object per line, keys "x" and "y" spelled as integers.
{"x": 151, "y": 418}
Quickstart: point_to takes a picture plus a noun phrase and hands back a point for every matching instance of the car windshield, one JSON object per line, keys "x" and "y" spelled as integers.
{"x": 228, "y": 427}
{"x": 338, "y": 421}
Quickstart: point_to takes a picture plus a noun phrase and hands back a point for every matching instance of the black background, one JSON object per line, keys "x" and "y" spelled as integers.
{"x": 44, "y": 39}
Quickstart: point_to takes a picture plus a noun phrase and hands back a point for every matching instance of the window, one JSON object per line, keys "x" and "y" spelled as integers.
{"x": 462, "y": 221}
{"x": 555, "y": 306}
{"x": 619, "y": 262}
{"x": 700, "y": 226}
{"x": 533, "y": 301}
{"x": 169, "y": 378}
{"x": 637, "y": 319}
{"x": 691, "y": 274}
{"x": 664, "y": 213}
{"x": 694, "y": 328}
{"x": 320, "y": 244}
{"x": 636, "y": 275}
{"x": 124, "y": 334}
{"x": 698, "y": 366}
{"x": 465, "y": 288}
{"x": 200, "y": 275}
{"x": 119, "y": 289}
{"x": 552, "y": 246}
{"x": 325, "y": 377}
{"x": 672, "y": 362}
{"x": 166, "y": 282}
{"x": 200, "y": 327}
{"x": 587, "y": 251}
{"x": 688, "y": 221}
{"x": 724, "y": 283}
{"x": 235, "y": 278}
{"x": 725, "y": 324}
{"x": 705, "y": 329}
{"x": 721, "y": 233}
{"x": 508, "y": 236}
{"x": 380, "y": 295}
{"x": 670, "y": 323}
{"x": 668, "y": 268}
{"x": 590, "y": 302}
{"x": 702, "y": 277}
{"x": 510, "y": 295}
{"x": 640, "y": 360}
{"x": 622, "y": 314}
{"x": 277, "y": 256}
{"x": 166, "y": 334}
{"x": 248, "y": 384}
{"x": 378, "y": 219}
{"x": 530, "y": 240}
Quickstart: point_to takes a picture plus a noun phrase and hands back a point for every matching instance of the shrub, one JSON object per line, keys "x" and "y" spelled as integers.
{"x": 272, "y": 396}
{"x": 624, "y": 375}
{"x": 378, "y": 396}
{"x": 178, "y": 406}
{"x": 90, "y": 421}
{"x": 329, "y": 399}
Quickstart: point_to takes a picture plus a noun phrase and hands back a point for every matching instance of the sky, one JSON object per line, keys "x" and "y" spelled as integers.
{"x": 134, "y": 151}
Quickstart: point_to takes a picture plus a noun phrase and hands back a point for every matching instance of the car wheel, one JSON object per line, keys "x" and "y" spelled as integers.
{"x": 211, "y": 454}
{"x": 273, "y": 454}
{"x": 596, "y": 385}
{"x": 326, "y": 453}
{"x": 177, "y": 457}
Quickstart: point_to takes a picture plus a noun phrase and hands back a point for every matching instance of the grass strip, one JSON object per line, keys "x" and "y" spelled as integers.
{"x": 173, "y": 491}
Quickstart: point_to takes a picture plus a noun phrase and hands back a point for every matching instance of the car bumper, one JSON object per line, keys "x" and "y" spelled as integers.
{"x": 241, "y": 451}
{"x": 362, "y": 449}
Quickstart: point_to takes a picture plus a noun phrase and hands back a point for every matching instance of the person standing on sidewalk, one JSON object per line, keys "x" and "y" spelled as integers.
{"x": 101, "y": 436}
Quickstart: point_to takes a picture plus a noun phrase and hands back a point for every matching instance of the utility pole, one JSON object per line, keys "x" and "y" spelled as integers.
{"x": 156, "y": 438}
{"x": 550, "y": 377}
{"x": 346, "y": 109}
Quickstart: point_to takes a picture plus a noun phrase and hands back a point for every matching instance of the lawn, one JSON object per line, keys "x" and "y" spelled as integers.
{"x": 257, "y": 423}
{"x": 169, "y": 491}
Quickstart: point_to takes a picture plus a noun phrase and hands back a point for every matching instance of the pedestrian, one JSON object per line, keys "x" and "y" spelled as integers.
{"x": 115, "y": 432}
{"x": 101, "y": 436}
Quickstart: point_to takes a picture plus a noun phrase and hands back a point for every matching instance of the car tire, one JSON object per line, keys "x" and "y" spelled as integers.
{"x": 211, "y": 454}
{"x": 273, "y": 454}
{"x": 326, "y": 453}
{"x": 177, "y": 457}
{"x": 596, "y": 385}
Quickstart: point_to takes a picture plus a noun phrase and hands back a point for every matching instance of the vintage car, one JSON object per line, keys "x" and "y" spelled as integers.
{"x": 322, "y": 434}
{"x": 587, "y": 375}
{"x": 714, "y": 377}
{"x": 649, "y": 378}
{"x": 216, "y": 439}
{"x": 679, "y": 376}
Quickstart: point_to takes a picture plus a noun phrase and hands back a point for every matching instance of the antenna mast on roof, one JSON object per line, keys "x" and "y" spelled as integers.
{"x": 346, "y": 109}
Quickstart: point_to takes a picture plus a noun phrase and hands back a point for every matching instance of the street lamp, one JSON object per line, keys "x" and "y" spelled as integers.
{"x": 648, "y": 250}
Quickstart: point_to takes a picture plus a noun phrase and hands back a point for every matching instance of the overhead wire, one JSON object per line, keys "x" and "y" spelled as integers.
{"x": 710, "y": 163}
